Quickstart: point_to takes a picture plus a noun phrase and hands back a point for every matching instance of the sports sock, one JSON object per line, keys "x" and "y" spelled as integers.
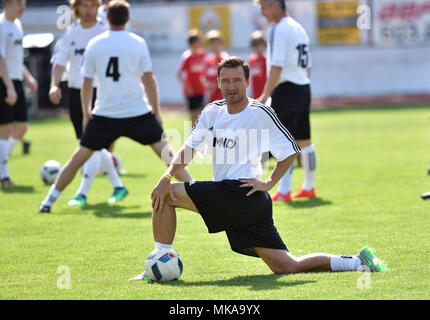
{"x": 12, "y": 144}
{"x": 52, "y": 196}
{"x": 159, "y": 246}
{"x": 345, "y": 263}
{"x": 89, "y": 173}
{"x": 107, "y": 167}
{"x": 309, "y": 166}
{"x": 285, "y": 184}
{"x": 4, "y": 155}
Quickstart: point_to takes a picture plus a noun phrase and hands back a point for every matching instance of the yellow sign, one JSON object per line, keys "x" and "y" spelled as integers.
{"x": 337, "y": 22}
{"x": 206, "y": 18}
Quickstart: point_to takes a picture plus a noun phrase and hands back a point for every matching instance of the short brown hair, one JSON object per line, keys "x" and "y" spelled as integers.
{"x": 214, "y": 35}
{"x": 234, "y": 62}
{"x": 76, "y": 3}
{"x": 257, "y": 37}
{"x": 118, "y": 12}
{"x": 193, "y": 35}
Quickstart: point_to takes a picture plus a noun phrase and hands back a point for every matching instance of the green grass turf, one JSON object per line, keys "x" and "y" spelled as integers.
{"x": 371, "y": 170}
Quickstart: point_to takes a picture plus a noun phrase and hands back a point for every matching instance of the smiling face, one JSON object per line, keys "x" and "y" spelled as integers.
{"x": 233, "y": 84}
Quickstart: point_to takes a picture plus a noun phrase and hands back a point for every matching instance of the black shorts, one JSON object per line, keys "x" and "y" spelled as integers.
{"x": 195, "y": 103}
{"x": 102, "y": 131}
{"x": 75, "y": 109}
{"x": 292, "y": 104}
{"x": 247, "y": 221}
{"x": 17, "y": 112}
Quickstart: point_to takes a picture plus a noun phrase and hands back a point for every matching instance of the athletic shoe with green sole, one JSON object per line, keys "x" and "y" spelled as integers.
{"x": 78, "y": 200}
{"x": 141, "y": 276}
{"x": 118, "y": 194}
{"x": 368, "y": 258}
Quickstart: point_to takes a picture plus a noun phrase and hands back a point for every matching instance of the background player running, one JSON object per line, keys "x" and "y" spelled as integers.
{"x": 121, "y": 63}
{"x": 70, "y": 53}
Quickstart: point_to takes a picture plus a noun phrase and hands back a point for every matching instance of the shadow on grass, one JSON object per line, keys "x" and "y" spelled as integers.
{"x": 255, "y": 282}
{"x": 308, "y": 203}
{"x": 105, "y": 210}
{"x": 18, "y": 189}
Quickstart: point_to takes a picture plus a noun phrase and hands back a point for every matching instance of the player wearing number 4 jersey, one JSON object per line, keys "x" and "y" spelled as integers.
{"x": 71, "y": 49}
{"x": 288, "y": 85}
{"x": 121, "y": 63}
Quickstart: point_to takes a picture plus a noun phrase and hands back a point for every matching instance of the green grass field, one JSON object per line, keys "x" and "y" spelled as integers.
{"x": 371, "y": 171}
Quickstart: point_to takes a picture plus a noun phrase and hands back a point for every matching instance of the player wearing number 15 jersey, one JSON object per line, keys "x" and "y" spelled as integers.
{"x": 121, "y": 63}
{"x": 288, "y": 84}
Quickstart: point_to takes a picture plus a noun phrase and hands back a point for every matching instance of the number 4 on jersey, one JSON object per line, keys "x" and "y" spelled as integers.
{"x": 112, "y": 69}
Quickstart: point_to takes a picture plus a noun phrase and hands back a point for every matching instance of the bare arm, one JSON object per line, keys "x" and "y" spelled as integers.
{"x": 11, "y": 96}
{"x": 151, "y": 88}
{"x": 271, "y": 83}
{"x": 55, "y": 91}
{"x": 30, "y": 80}
{"x": 277, "y": 173}
{"x": 86, "y": 100}
{"x": 164, "y": 187}
{"x": 308, "y": 70}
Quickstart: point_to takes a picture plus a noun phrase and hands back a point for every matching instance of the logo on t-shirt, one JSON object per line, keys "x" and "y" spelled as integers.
{"x": 224, "y": 143}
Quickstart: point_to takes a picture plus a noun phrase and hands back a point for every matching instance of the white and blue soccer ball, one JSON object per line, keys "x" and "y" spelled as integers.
{"x": 49, "y": 171}
{"x": 164, "y": 265}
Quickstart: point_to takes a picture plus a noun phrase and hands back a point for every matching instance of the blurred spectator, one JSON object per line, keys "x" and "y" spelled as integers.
{"x": 257, "y": 63}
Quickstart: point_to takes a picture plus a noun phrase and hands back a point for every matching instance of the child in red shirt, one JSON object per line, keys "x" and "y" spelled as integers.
{"x": 257, "y": 63}
{"x": 215, "y": 43}
{"x": 191, "y": 72}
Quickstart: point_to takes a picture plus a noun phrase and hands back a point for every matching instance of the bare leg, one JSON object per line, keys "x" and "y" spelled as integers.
{"x": 68, "y": 172}
{"x": 281, "y": 261}
{"x": 163, "y": 150}
{"x": 19, "y": 129}
{"x": 164, "y": 224}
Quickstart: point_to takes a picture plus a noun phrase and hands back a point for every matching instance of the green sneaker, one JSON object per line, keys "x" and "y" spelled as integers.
{"x": 78, "y": 201}
{"x": 118, "y": 194}
{"x": 368, "y": 258}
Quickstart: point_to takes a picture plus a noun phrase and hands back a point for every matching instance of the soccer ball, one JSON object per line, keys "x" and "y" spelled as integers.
{"x": 164, "y": 265}
{"x": 49, "y": 171}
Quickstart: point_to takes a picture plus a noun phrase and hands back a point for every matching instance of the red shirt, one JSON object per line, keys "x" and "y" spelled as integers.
{"x": 211, "y": 64}
{"x": 258, "y": 74}
{"x": 193, "y": 66}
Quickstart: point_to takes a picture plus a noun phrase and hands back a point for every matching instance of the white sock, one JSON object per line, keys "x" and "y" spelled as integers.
{"x": 285, "y": 184}
{"x": 89, "y": 173}
{"x": 309, "y": 166}
{"x": 345, "y": 263}
{"x": 4, "y": 156}
{"x": 12, "y": 144}
{"x": 52, "y": 196}
{"x": 159, "y": 246}
{"x": 107, "y": 167}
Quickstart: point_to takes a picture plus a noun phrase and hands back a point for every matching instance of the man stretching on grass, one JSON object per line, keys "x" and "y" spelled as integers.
{"x": 237, "y": 201}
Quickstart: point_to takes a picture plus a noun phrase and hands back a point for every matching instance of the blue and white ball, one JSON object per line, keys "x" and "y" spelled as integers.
{"x": 49, "y": 171}
{"x": 164, "y": 265}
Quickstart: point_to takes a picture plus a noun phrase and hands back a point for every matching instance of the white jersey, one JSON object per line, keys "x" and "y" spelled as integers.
{"x": 236, "y": 142}
{"x": 117, "y": 59}
{"x": 71, "y": 49}
{"x": 11, "y": 35}
{"x": 289, "y": 48}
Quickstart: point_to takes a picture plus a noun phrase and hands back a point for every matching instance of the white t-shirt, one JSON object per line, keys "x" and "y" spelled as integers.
{"x": 71, "y": 49}
{"x": 289, "y": 48}
{"x": 117, "y": 59}
{"x": 236, "y": 142}
{"x": 11, "y": 35}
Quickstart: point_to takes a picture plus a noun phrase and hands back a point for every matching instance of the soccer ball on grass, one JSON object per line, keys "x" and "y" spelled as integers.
{"x": 163, "y": 265}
